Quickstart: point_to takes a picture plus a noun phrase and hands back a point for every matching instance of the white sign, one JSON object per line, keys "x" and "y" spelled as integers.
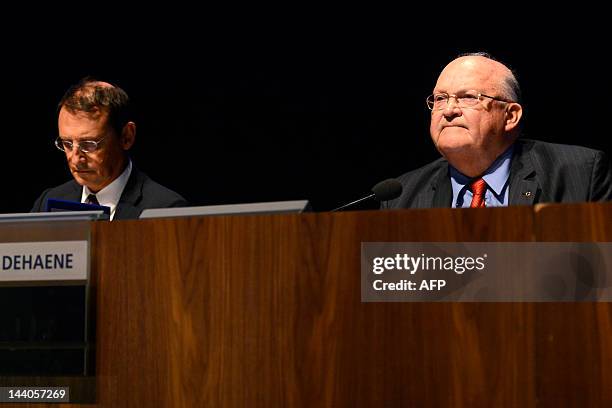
{"x": 43, "y": 261}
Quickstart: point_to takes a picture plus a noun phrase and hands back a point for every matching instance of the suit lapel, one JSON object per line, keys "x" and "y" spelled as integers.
{"x": 131, "y": 196}
{"x": 524, "y": 187}
{"x": 76, "y": 192}
{"x": 443, "y": 196}
{"x": 439, "y": 193}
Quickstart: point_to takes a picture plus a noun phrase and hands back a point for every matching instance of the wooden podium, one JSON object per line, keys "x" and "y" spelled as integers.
{"x": 265, "y": 311}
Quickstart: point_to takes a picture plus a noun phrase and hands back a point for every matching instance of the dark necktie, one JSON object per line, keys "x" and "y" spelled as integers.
{"x": 91, "y": 199}
{"x": 478, "y": 187}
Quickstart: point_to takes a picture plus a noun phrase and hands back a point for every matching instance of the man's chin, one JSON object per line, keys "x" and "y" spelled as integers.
{"x": 453, "y": 139}
{"x": 83, "y": 180}
{"x": 454, "y": 147}
{"x": 78, "y": 177}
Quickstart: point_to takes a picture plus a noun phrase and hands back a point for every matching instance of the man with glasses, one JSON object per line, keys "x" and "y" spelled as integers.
{"x": 96, "y": 132}
{"x": 475, "y": 115}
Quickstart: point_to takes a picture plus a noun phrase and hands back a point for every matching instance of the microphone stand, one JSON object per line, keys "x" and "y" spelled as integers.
{"x": 354, "y": 202}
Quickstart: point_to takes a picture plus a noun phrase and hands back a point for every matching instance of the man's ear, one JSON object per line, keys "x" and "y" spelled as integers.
{"x": 128, "y": 135}
{"x": 514, "y": 113}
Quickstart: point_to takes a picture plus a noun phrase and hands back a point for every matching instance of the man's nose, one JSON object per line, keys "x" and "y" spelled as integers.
{"x": 76, "y": 155}
{"x": 452, "y": 108}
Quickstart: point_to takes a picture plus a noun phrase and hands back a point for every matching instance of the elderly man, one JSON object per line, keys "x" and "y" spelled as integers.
{"x": 96, "y": 132}
{"x": 475, "y": 116}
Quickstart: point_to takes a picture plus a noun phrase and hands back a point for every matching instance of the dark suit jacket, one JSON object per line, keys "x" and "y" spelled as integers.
{"x": 540, "y": 172}
{"x": 139, "y": 193}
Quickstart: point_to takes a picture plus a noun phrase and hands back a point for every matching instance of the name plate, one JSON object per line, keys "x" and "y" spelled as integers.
{"x": 43, "y": 261}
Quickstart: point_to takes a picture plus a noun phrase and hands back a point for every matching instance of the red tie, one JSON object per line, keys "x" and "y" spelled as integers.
{"x": 478, "y": 188}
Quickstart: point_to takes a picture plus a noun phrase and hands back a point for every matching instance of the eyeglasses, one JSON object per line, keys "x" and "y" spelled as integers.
{"x": 470, "y": 100}
{"x": 85, "y": 146}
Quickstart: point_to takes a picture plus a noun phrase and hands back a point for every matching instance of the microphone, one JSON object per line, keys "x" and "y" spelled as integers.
{"x": 383, "y": 191}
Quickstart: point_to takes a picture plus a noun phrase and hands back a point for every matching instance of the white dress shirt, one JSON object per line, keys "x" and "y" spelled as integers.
{"x": 109, "y": 196}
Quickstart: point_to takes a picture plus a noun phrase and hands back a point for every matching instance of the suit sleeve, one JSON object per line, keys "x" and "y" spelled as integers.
{"x": 601, "y": 178}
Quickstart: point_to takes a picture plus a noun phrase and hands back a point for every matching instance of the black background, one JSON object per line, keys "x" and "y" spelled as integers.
{"x": 271, "y": 104}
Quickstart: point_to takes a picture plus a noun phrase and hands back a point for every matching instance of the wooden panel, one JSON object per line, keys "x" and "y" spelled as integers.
{"x": 266, "y": 311}
{"x": 574, "y": 222}
{"x": 574, "y": 340}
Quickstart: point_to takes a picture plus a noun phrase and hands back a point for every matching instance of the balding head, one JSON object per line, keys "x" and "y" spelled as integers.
{"x": 507, "y": 84}
{"x": 493, "y": 73}
{"x": 471, "y": 136}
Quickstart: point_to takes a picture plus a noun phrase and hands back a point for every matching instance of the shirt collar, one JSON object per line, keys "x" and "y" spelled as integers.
{"x": 495, "y": 176}
{"x": 109, "y": 196}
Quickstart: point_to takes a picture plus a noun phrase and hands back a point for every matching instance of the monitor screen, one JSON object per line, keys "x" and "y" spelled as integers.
{"x": 275, "y": 207}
